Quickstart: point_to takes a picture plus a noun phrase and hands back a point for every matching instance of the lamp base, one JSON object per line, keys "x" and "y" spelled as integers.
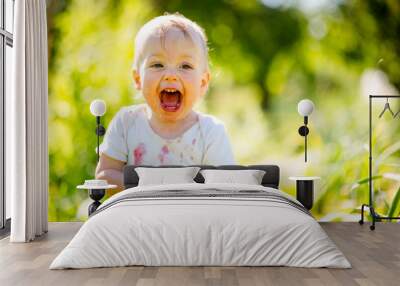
{"x": 100, "y": 130}
{"x": 303, "y": 130}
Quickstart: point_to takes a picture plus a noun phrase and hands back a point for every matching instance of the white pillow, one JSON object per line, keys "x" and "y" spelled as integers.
{"x": 162, "y": 176}
{"x": 248, "y": 177}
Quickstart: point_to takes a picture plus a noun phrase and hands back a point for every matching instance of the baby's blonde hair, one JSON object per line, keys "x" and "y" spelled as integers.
{"x": 160, "y": 26}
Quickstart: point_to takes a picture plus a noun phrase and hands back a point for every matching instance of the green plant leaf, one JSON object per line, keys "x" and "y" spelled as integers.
{"x": 394, "y": 208}
{"x": 365, "y": 180}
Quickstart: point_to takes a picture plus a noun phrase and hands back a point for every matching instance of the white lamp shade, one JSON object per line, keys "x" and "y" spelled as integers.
{"x": 305, "y": 107}
{"x": 98, "y": 107}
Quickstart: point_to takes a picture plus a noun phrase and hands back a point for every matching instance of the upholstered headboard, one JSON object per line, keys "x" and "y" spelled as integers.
{"x": 270, "y": 179}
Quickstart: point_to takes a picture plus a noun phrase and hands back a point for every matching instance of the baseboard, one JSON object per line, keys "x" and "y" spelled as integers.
{"x": 5, "y": 231}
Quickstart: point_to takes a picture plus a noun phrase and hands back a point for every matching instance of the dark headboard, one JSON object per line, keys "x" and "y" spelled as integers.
{"x": 270, "y": 179}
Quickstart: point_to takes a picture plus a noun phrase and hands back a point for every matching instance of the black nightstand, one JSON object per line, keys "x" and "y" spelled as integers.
{"x": 97, "y": 190}
{"x": 305, "y": 190}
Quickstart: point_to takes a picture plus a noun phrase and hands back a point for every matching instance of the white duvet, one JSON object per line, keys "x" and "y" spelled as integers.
{"x": 183, "y": 231}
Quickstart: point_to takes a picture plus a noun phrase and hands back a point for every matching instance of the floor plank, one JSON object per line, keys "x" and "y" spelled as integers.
{"x": 374, "y": 255}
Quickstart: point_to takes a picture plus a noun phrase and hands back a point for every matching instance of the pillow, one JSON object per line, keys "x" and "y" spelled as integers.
{"x": 162, "y": 176}
{"x": 248, "y": 177}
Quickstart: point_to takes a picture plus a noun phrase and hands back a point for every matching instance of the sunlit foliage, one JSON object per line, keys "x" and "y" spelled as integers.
{"x": 264, "y": 59}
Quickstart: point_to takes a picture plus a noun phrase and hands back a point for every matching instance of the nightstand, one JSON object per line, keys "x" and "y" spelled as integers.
{"x": 305, "y": 190}
{"x": 97, "y": 190}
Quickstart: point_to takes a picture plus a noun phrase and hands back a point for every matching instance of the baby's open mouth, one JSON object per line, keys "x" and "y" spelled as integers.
{"x": 170, "y": 99}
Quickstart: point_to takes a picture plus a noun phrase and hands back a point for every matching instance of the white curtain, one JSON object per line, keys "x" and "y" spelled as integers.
{"x": 28, "y": 123}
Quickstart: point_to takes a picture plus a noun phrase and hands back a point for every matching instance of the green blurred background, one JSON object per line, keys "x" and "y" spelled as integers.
{"x": 265, "y": 57}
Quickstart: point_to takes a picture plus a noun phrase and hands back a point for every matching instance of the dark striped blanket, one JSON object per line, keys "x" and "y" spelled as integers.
{"x": 206, "y": 193}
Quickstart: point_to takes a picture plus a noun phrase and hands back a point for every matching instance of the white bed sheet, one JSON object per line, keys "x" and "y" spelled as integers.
{"x": 200, "y": 231}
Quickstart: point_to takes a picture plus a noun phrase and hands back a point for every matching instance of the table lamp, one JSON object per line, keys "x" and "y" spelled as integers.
{"x": 305, "y": 108}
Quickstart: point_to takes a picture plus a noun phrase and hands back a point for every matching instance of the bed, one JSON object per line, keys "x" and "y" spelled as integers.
{"x": 201, "y": 224}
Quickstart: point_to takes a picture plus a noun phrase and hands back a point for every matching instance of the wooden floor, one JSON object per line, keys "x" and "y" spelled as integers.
{"x": 374, "y": 255}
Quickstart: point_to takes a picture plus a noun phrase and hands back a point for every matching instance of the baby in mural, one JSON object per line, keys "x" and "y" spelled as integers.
{"x": 171, "y": 70}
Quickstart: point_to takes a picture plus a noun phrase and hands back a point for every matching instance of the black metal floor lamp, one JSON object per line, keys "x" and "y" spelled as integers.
{"x": 305, "y": 108}
{"x": 98, "y": 109}
{"x": 375, "y": 216}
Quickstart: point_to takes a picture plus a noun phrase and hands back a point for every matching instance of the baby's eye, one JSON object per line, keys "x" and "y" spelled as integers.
{"x": 156, "y": 65}
{"x": 186, "y": 66}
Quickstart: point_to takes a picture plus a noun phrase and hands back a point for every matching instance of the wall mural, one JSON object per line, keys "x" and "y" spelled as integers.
{"x": 221, "y": 85}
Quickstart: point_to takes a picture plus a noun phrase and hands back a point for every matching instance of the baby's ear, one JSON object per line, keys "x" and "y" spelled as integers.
{"x": 205, "y": 79}
{"x": 136, "y": 78}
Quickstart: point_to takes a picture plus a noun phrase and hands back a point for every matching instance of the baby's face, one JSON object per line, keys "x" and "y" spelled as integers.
{"x": 172, "y": 75}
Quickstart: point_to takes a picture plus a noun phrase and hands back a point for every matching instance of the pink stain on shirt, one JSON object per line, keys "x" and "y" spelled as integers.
{"x": 164, "y": 149}
{"x": 164, "y": 152}
{"x": 138, "y": 153}
{"x": 194, "y": 141}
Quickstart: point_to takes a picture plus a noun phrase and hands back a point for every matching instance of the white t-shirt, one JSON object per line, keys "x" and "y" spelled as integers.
{"x": 131, "y": 139}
